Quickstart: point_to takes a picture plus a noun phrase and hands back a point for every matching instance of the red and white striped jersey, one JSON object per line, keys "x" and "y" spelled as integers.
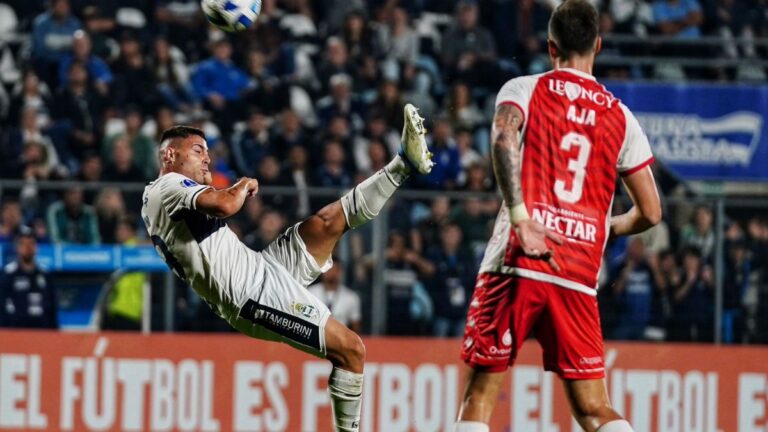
{"x": 576, "y": 138}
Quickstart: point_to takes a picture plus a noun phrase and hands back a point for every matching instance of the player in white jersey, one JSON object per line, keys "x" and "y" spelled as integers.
{"x": 263, "y": 294}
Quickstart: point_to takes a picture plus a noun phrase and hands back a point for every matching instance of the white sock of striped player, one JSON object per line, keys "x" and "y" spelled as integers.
{"x": 471, "y": 426}
{"x": 346, "y": 389}
{"x": 616, "y": 426}
{"x": 365, "y": 201}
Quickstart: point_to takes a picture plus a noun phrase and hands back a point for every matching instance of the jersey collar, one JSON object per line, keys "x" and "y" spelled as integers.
{"x": 578, "y": 73}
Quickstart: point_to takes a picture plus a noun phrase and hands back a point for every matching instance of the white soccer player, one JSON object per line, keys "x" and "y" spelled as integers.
{"x": 560, "y": 140}
{"x": 263, "y": 294}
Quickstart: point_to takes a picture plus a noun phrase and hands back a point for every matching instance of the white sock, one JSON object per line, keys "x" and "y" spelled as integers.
{"x": 471, "y": 426}
{"x": 366, "y": 200}
{"x": 346, "y": 389}
{"x": 616, "y": 426}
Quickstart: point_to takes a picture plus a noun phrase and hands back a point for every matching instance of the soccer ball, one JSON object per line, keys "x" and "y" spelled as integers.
{"x": 231, "y": 15}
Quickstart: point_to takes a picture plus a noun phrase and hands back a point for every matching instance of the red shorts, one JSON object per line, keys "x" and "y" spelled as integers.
{"x": 505, "y": 309}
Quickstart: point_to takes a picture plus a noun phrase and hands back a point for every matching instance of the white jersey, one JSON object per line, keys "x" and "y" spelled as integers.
{"x": 200, "y": 249}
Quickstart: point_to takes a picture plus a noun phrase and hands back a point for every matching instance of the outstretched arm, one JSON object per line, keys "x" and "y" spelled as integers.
{"x": 226, "y": 202}
{"x": 646, "y": 211}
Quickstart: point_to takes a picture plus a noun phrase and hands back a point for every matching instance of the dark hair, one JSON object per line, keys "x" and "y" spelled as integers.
{"x": 573, "y": 27}
{"x": 181, "y": 132}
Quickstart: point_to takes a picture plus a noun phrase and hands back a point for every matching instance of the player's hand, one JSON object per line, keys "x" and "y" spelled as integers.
{"x": 251, "y": 186}
{"x": 533, "y": 238}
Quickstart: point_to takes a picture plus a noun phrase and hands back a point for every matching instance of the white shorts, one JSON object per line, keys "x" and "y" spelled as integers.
{"x": 285, "y": 310}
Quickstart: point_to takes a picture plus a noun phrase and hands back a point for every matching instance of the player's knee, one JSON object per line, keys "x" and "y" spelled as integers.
{"x": 349, "y": 352}
{"x": 356, "y": 349}
{"x": 591, "y": 414}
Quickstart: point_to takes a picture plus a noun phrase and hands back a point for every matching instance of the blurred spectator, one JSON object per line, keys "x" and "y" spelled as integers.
{"x": 693, "y": 304}
{"x": 633, "y": 290}
{"x": 270, "y": 225}
{"x": 398, "y": 40}
{"x": 251, "y": 145}
{"x": 335, "y": 11}
{"x": 343, "y": 303}
{"x": 269, "y": 174}
{"x": 11, "y": 219}
{"x": 404, "y": 268}
{"x": 427, "y": 232}
{"x": 452, "y": 283}
{"x": 474, "y": 218}
{"x": 469, "y": 51}
{"x": 461, "y": 110}
{"x": 667, "y": 279}
{"x": 134, "y": 79}
{"x": 184, "y": 23}
{"x": 288, "y": 134}
{"x": 144, "y": 149}
{"x": 700, "y": 233}
{"x": 70, "y": 220}
{"x": 376, "y": 131}
{"x": 82, "y": 108}
{"x": 162, "y": 120}
{"x": 31, "y": 93}
{"x": 110, "y": 208}
{"x": 265, "y": 90}
{"x": 171, "y": 74}
{"x": 376, "y": 159}
{"x": 335, "y": 62}
{"x": 52, "y": 35}
{"x": 739, "y": 283}
{"x": 340, "y": 102}
{"x": 98, "y": 71}
{"x": 27, "y": 294}
{"x": 477, "y": 178}
{"x": 16, "y": 154}
{"x": 389, "y": 105}
{"x": 123, "y": 168}
{"x": 219, "y": 82}
{"x": 91, "y": 169}
{"x": 681, "y": 18}
{"x": 125, "y": 304}
{"x": 358, "y": 36}
{"x": 445, "y": 173}
{"x": 468, "y": 155}
{"x": 332, "y": 172}
{"x": 296, "y": 174}
{"x": 99, "y": 26}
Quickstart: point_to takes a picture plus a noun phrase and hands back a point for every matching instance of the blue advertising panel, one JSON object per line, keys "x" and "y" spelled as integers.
{"x": 703, "y": 132}
{"x": 75, "y": 258}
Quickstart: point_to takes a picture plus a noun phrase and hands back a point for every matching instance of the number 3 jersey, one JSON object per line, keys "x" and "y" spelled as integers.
{"x": 576, "y": 139}
{"x": 200, "y": 249}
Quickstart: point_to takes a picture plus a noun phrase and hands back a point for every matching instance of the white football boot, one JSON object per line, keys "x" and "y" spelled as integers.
{"x": 413, "y": 146}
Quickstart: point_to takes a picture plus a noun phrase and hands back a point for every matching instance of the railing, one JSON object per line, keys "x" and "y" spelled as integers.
{"x": 409, "y": 202}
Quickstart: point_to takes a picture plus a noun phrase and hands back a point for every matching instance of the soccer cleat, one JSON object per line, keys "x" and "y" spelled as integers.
{"x": 413, "y": 146}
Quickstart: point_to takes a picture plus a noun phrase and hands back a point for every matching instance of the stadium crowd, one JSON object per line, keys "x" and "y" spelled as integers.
{"x": 312, "y": 97}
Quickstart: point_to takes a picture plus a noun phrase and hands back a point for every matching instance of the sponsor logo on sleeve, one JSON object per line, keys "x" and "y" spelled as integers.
{"x": 188, "y": 183}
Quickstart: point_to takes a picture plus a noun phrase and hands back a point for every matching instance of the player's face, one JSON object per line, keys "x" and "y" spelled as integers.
{"x": 192, "y": 160}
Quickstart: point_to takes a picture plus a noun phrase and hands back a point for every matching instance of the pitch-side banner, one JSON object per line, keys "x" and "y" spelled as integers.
{"x": 107, "y": 381}
{"x": 707, "y": 132}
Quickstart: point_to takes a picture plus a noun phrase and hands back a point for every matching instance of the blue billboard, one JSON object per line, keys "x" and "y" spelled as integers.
{"x": 86, "y": 258}
{"x": 703, "y": 132}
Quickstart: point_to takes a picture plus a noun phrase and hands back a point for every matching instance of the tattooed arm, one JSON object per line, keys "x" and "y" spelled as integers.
{"x": 507, "y": 167}
{"x": 505, "y": 152}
